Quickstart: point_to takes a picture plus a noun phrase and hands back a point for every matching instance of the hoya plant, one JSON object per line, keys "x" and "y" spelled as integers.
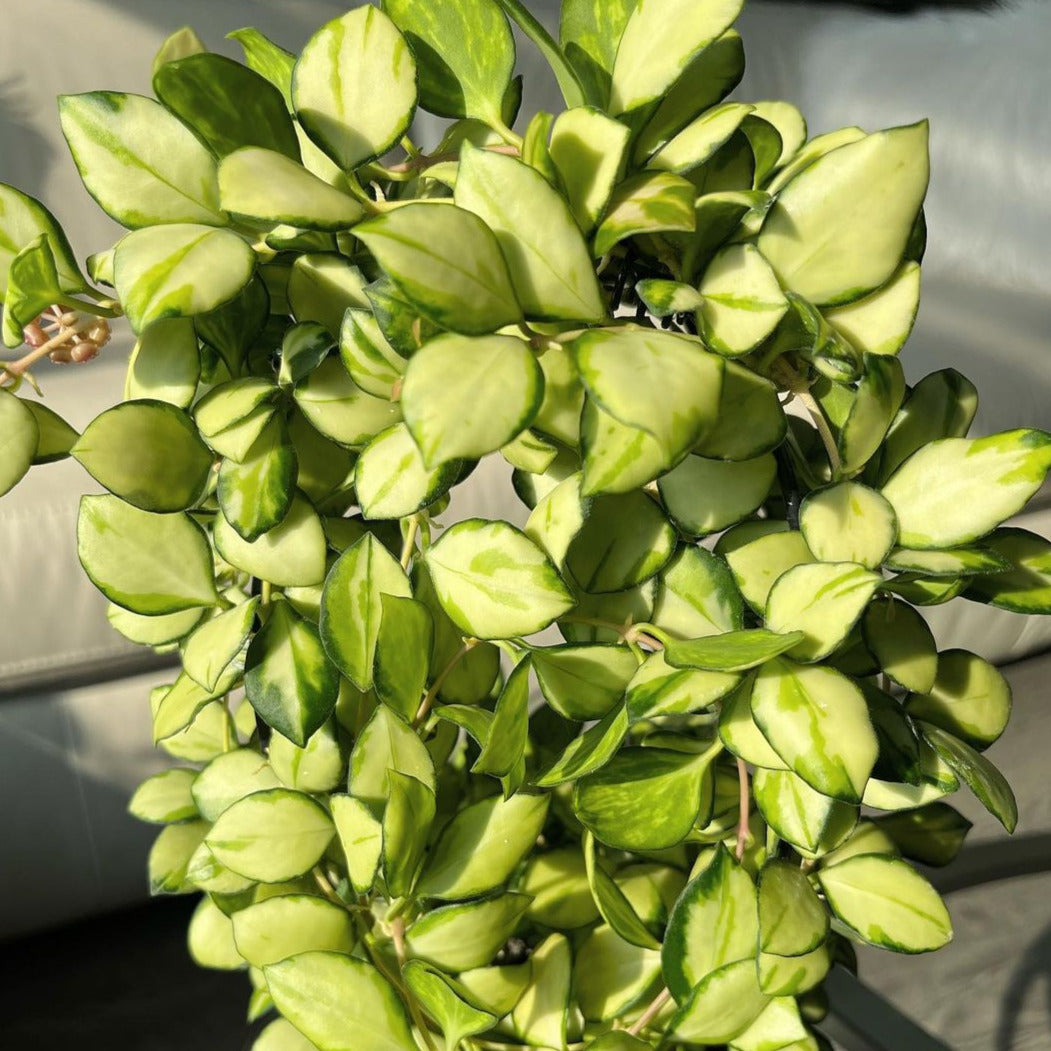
{"x": 417, "y": 817}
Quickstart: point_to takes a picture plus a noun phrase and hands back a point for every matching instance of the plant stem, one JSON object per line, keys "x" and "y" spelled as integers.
{"x": 745, "y": 809}
{"x": 432, "y": 693}
{"x": 808, "y": 401}
{"x": 650, "y": 1013}
{"x": 409, "y": 546}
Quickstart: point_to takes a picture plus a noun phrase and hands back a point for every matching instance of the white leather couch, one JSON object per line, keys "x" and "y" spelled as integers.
{"x": 74, "y": 729}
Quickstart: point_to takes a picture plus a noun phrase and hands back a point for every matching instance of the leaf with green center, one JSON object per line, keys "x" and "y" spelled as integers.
{"x": 148, "y": 563}
{"x": 494, "y": 582}
{"x": 951, "y": 563}
{"x": 714, "y": 923}
{"x": 848, "y": 523}
{"x": 882, "y": 321}
{"x": 647, "y": 203}
{"x": 334, "y": 87}
{"x": 264, "y": 187}
{"x": 339, "y": 409}
{"x": 464, "y": 397}
{"x": 464, "y": 52}
{"x": 660, "y": 41}
{"x": 792, "y": 919}
{"x": 374, "y": 365}
{"x": 813, "y": 823}
{"x": 469, "y": 290}
{"x": 352, "y": 606}
{"x": 697, "y": 596}
{"x": 758, "y": 561}
{"x": 557, "y": 518}
{"x": 902, "y": 644}
{"x": 955, "y": 490}
{"x": 482, "y": 845}
{"x": 256, "y": 494}
{"x": 211, "y": 648}
{"x": 141, "y": 163}
{"x": 665, "y": 384}
{"x": 742, "y": 302}
{"x": 625, "y": 540}
{"x": 887, "y": 903}
{"x": 643, "y": 799}
{"x": 274, "y": 929}
{"x": 179, "y": 270}
{"x": 386, "y": 743}
{"x": 816, "y": 719}
{"x": 987, "y": 783}
{"x": 840, "y": 227}
{"x": 667, "y": 298}
{"x": 165, "y": 364}
{"x": 659, "y": 689}
{"x": 460, "y": 937}
{"x": 361, "y": 837}
{"x": 391, "y": 479}
{"x": 231, "y": 417}
{"x": 732, "y": 651}
{"x": 22, "y": 220}
{"x": 19, "y": 438}
{"x": 292, "y": 554}
{"x": 288, "y": 679}
{"x": 588, "y": 150}
{"x": 617, "y": 458}
{"x": 551, "y": 269}
{"x": 721, "y": 1007}
{"x": 446, "y": 1002}
{"x": 706, "y": 496}
{"x": 706, "y": 81}
{"x": 165, "y": 798}
{"x": 339, "y": 1003}
{"x": 583, "y": 682}
{"x": 699, "y": 140}
{"x": 970, "y": 698}
{"x": 226, "y": 104}
{"x": 738, "y": 730}
{"x": 824, "y": 601}
{"x": 271, "y": 836}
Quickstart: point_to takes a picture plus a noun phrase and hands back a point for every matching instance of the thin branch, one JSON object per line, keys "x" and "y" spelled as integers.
{"x": 409, "y": 545}
{"x": 432, "y": 693}
{"x": 650, "y": 1013}
{"x": 745, "y": 809}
